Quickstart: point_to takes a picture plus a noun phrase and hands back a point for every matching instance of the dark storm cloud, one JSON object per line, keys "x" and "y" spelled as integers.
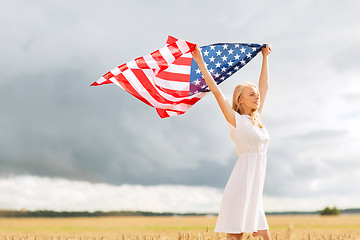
{"x": 61, "y": 127}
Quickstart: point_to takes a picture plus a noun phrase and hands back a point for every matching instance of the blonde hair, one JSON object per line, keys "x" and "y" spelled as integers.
{"x": 255, "y": 118}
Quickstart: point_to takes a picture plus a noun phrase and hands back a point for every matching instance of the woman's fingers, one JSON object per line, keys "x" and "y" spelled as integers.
{"x": 266, "y": 50}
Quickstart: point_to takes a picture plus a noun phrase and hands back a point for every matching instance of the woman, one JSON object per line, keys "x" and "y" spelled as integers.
{"x": 242, "y": 207}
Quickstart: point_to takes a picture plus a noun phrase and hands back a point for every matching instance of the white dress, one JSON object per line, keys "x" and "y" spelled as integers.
{"x": 242, "y": 204}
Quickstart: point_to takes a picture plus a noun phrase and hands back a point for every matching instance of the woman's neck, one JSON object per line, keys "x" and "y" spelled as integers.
{"x": 249, "y": 112}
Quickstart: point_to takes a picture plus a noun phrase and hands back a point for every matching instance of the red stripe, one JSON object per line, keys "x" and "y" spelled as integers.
{"x": 193, "y": 100}
{"x": 163, "y": 114}
{"x": 171, "y": 40}
{"x": 127, "y": 86}
{"x": 175, "y": 51}
{"x": 183, "y": 61}
{"x": 176, "y": 77}
{"x": 175, "y": 93}
{"x": 159, "y": 59}
{"x": 108, "y": 75}
{"x": 141, "y": 63}
{"x": 191, "y": 46}
{"x": 104, "y": 82}
{"x": 153, "y": 91}
{"x": 123, "y": 67}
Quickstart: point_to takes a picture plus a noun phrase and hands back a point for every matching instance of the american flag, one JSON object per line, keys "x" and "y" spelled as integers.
{"x": 171, "y": 81}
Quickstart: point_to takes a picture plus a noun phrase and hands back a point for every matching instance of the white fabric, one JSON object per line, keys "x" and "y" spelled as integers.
{"x": 242, "y": 205}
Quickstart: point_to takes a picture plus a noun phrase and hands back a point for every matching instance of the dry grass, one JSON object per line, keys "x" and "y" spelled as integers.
{"x": 345, "y": 227}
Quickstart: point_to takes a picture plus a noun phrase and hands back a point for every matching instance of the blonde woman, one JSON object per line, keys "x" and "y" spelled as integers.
{"x": 242, "y": 205}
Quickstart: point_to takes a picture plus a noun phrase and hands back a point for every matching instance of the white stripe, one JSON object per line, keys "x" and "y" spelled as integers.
{"x": 173, "y": 68}
{"x": 116, "y": 82}
{"x": 143, "y": 92}
{"x": 182, "y": 86}
{"x": 150, "y": 61}
{"x": 182, "y": 45}
{"x": 172, "y": 113}
{"x": 167, "y": 55}
{"x": 101, "y": 80}
{"x": 115, "y": 71}
{"x": 132, "y": 64}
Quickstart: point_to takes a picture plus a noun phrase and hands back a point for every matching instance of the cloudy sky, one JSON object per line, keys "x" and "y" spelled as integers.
{"x": 67, "y": 146}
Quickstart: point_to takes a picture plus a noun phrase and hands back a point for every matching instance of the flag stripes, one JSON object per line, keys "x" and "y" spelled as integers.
{"x": 160, "y": 79}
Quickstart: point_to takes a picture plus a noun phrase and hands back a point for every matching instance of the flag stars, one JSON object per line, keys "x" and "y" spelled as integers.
{"x": 222, "y": 61}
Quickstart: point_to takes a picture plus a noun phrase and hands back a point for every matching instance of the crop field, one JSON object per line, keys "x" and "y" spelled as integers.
{"x": 189, "y": 227}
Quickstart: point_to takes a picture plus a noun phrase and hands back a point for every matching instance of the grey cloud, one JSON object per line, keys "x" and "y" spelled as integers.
{"x": 352, "y": 97}
{"x": 319, "y": 135}
{"x": 312, "y": 174}
{"x": 346, "y": 58}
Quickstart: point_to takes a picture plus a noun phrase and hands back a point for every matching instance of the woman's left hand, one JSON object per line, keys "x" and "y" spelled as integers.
{"x": 197, "y": 56}
{"x": 266, "y": 50}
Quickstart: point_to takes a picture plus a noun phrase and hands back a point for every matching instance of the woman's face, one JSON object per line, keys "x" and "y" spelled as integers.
{"x": 250, "y": 98}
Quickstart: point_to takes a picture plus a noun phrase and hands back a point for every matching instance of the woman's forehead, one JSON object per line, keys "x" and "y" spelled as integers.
{"x": 251, "y": 88}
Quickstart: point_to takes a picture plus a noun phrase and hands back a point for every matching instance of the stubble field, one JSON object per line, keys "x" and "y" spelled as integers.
{"x": 199, "y": 227}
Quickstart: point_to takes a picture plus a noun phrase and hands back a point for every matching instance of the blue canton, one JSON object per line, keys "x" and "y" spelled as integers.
{"x": 222, "y": 61}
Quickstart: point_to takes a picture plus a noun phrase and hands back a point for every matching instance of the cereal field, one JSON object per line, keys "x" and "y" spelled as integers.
{"x": 151, "y": 228}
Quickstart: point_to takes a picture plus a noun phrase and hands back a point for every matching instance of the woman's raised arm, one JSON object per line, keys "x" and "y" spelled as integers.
{"x": 220, "y": 98}
{"x": 264, "y": 77}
